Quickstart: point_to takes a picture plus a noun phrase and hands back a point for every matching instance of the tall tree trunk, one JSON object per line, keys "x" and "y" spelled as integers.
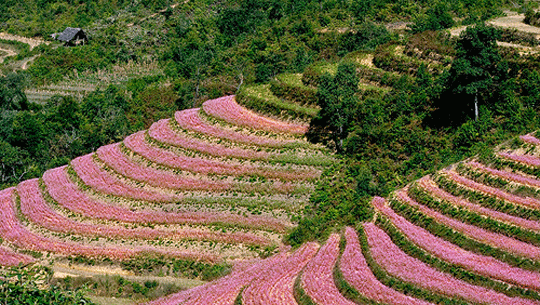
{"x": 476, "y": 107}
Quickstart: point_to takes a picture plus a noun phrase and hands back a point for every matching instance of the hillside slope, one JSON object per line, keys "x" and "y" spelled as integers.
{"x": 468, "y": 234}
{"x": 211, "y": 186}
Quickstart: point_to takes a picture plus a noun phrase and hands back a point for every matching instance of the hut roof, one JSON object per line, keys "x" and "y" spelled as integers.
{"x": 68, "y": 34}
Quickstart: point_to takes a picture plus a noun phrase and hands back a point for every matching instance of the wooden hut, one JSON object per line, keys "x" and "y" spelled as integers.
{"x": 72, "y": 37}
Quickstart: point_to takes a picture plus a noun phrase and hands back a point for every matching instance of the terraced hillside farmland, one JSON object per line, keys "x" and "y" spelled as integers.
{"x": 468, "y": 234}
{"x": 210, "y": 187}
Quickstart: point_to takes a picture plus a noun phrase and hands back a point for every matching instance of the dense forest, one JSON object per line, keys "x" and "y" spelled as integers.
{"x": 446, "y": 99}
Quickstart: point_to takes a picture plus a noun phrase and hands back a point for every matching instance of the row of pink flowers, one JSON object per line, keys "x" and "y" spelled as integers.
{"x": 504, "y": 174}
{"x": 430, "y": 186}
{"x": 485, "y": 265}
{"x": 37, "y": 210}
{"x": 530, "y": 139}
{"x": 11, "y": 258}
{"x": 162, "y": 132}
{"x": 69, "y": 196}
{"x": 189, "y": 119}
{"x": 528, "y": 202}
{"x": 357, "y": 273}
{"x": 13, "y": 231}
{"x": 399, "y": 264}
{"x": 226, "y": 108}
{"x": 318, "y": 279}
{"x": 137, "y": 143}
{"x": 525, "y": 159}
{"x": 103, "y": 182}
{"x": 113, "y": 157}
{"x": 496, "y": 240}
{"x": 225, "y": 290}
{"x": 277, "y": 285}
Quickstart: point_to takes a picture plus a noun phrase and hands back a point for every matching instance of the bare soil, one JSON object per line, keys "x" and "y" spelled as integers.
{"x": 32, "y": 42}
{"x": 512, "y": 20}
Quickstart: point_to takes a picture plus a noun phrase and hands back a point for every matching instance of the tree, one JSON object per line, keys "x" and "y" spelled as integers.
{"x": 476, "y": 72}
{"x": 437, "y": 18}
{"x": 12, "y": 96}
{"x": 336, "y": 97}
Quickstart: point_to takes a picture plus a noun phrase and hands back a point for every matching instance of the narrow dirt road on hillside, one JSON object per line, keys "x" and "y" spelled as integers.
{"x": 32, "y": 42}
{"x": 512, "y": 20}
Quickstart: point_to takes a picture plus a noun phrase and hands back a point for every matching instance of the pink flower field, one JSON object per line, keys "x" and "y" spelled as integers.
{"x": 494, "y": 239}
{"x": 430, "y": 186}
{"x": 226, "y": 109}
{"x": 190, "y": 120}
{"x": 137, "y": 143}
{"x": 527, "y": 201}
{"x": 409, "y": 269}
{"x": 68, "y": 195}
{"x": 317, "y": 279}
{"x": 484, "y": 265}
{"x": 221, "y": 184}
{"x": 356, "y": 271}
{"x": 530, "y": 139}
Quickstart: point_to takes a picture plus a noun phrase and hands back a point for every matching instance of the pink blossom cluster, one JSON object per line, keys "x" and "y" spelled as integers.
{"x": 496, "y": 240}
{"x": 277, "y": 285}
{"x": 114, "y": 158}
{"x": 226, "y": 108}
{"x": 189, "y": 119}
{"x": 399, "y": 264}
{"x": 68, "y": 195}
{"x": 530, "y": 139}
{"x": 429, "y": 186}
{"x": 102, "y": 181}
{"x": 10, "y": 258}
{"x": 225, "y": 290}
{"x": 13, "y": 231}
{"x": 318, "y": 279}
{"x": 357, "y": 273}
{"x": 525, "y": 159}
{"x": 485, "y": 265}
{"x": 505, "y": 175}
{"x": 37, "y": 210}
{"x": 166, "y": 157}
{"x": 162, "y": 132}
{"x": 528, "y": 202}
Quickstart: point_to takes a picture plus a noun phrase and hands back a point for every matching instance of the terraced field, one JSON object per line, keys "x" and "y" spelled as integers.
{"x": 468, "y": 234}
{"x": 213, "y": 185}
{"x": 222, "y": 184}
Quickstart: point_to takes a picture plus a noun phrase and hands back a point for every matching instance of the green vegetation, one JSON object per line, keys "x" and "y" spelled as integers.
{"x": 35, "y": 137}
{"x": 532, "y": 17}
{"x": 25, "y": 285}
{"x": 396, "y": 105}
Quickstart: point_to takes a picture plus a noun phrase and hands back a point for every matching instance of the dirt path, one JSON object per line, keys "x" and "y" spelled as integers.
{"x": 512, "y": 20}
{"x": 26, "y": 61}
{"x": 65, "y": 270}
{"x": 32, "y": 42}
{"x": 515, "y": 21}
{"x": 8, "y": 52}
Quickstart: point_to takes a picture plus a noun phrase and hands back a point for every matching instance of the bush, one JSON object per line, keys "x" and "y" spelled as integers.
{"x": 367, "y": 36}
{"x": 437, "y": 18}
{"x": 532, "y": 18}
{"x": 297, "y": 93}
